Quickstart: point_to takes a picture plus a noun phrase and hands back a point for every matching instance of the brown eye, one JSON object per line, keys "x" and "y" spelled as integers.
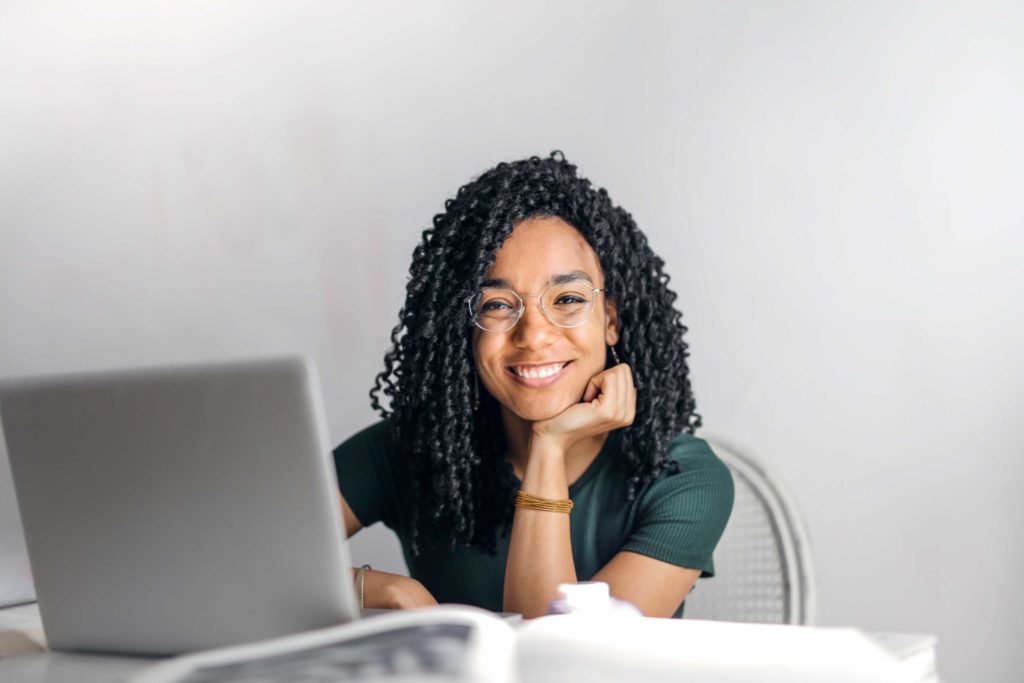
{"x": 495, "y": 306}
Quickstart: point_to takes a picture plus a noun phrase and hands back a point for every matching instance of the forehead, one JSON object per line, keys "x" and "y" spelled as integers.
{"x": 540, "y": 248}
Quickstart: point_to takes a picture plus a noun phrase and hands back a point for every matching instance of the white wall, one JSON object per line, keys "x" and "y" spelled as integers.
{"x": 836, "y": 189}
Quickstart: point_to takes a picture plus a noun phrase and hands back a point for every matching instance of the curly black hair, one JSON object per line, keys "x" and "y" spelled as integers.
{"x": 461, "y": 486}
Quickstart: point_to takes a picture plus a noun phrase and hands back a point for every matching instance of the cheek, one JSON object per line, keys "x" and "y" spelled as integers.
{"x": 486, "y": 352}
{"x": 592, "y": 349}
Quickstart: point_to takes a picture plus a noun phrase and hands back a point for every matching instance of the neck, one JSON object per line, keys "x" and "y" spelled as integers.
{"x": 518, "y": 433}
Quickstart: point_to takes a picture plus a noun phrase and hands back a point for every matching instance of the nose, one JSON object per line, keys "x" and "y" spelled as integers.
{"x": 533, "y": 330}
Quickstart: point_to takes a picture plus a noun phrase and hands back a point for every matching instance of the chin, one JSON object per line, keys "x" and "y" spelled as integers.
{"x": 537, "y": 416}
{"x": 541, "y": 410}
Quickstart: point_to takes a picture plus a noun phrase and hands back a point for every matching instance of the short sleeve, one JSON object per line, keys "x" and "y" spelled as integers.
{"x": 681, "y": 516}
{"x": 365, "y": 465}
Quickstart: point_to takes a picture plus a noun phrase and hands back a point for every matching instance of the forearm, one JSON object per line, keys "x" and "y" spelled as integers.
{"x": 540, "y": 551}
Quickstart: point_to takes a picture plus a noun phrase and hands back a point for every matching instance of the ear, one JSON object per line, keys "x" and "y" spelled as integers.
{"x": 611, "y": 316}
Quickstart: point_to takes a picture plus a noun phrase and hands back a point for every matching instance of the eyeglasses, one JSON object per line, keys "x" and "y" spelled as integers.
{"x": 565, "y": 305}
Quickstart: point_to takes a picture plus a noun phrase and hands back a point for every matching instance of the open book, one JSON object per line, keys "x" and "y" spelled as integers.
{"x": 448, "y": 643}
{"x": 454, "y": 643}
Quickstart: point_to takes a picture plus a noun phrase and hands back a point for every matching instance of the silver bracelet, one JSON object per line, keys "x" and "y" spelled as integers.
{"x": 360, "y": 580}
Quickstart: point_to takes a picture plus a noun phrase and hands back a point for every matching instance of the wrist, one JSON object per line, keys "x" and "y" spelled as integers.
{"x": 547, "y": 446}
{"x": 545, "y": 472}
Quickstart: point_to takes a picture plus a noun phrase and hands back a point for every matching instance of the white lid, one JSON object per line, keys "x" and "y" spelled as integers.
{"x": 585, "y": 595}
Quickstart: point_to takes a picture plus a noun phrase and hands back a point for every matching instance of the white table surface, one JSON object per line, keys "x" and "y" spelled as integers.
{"x": 25, "y": 659}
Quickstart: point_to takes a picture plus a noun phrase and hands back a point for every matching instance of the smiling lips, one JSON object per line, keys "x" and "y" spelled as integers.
{"x": 537, "y": 375}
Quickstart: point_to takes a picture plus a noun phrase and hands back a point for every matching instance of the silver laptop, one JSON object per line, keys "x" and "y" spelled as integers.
{"x": 174, "y": 509}
{"x": 15, "y": 576}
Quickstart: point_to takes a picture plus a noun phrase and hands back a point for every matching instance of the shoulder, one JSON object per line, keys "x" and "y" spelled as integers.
{"x": 703, "y": 482}
{"x": 376, "y": 437}
{"x": 371, "y": 449}
{"x": 692, "y": 452}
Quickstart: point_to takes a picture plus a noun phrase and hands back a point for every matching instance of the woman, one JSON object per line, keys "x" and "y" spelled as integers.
{"x": 538, "y": 360}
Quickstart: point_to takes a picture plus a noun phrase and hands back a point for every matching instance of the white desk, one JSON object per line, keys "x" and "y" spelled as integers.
{"x": 23, "y": 656}
{"x": 24, "y": 659}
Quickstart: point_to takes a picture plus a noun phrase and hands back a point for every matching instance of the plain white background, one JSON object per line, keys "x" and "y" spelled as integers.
{"x": 836, "y": 189}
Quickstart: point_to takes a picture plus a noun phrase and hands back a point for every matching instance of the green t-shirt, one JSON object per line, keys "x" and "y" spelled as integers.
{"x": 677, "y": 518}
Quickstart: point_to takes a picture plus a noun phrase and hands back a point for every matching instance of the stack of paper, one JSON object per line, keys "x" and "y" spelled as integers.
{"x": 654, "y": 650}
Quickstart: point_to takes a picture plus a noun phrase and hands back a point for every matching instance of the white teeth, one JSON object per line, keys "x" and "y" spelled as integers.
{"x": 538, "y": 372}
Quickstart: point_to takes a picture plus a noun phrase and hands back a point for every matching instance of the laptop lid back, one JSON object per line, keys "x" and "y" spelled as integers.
{"x": 15, "y": 575}
{"x": 174, "y": 509}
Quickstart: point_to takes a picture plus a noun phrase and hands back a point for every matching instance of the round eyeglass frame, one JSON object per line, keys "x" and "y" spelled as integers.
{"x": 522, "y": 308}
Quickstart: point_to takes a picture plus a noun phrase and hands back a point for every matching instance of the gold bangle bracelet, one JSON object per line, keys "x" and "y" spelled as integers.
{"x": 525, "y": 500}
{"x": 360, "y": 582}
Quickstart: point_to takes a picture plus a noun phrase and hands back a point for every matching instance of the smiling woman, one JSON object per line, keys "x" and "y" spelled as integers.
{"x": 538, "y": 368}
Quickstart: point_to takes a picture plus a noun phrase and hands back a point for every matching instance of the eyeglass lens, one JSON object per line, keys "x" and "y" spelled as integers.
{"x": 565, "y": 305}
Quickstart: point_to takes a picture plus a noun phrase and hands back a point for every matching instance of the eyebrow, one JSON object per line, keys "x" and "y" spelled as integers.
{"x": 560, "y": 279}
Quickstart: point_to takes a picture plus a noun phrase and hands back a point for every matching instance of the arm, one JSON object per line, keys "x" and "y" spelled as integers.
{"x": 382, "y": 589}
{"x": 540, "y": 550}
{"x": 656, "y": 587}
{"x": 364, "y": 467}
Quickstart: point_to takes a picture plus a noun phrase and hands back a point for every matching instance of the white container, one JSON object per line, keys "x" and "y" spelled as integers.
{"x": 591, "y": 598}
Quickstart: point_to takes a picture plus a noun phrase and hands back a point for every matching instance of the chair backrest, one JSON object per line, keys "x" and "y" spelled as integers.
{"x": 763, "y": 567}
